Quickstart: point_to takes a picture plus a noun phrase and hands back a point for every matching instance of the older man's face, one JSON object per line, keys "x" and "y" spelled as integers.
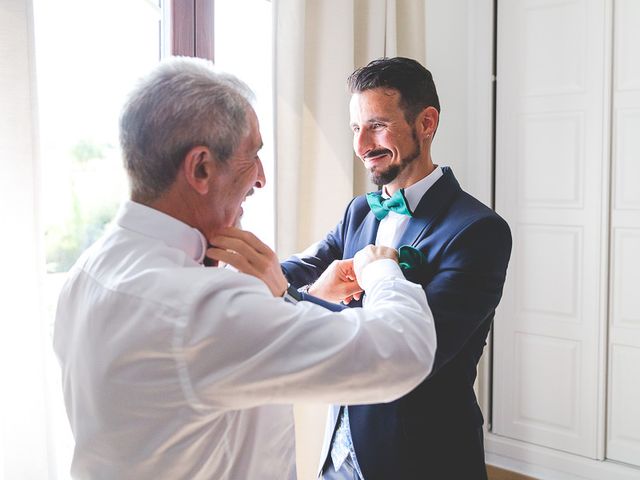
{"x": 237, "y": 178}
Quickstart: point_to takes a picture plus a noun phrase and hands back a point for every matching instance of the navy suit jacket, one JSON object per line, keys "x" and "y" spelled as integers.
{"x": 435, "y": 431}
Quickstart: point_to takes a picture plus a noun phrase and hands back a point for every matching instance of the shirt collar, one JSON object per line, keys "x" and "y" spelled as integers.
{"x": 153, "y": 223}
{"x": 415, "y": 192}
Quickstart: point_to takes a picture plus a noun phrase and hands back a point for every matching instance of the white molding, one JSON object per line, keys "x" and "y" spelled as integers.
{"x": 479, "y": 167}
{"x": 606, "y": 232}
{"x": 546, "y": 463}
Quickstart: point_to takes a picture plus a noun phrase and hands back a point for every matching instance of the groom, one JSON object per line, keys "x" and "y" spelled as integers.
{"x": 435, "y": 431}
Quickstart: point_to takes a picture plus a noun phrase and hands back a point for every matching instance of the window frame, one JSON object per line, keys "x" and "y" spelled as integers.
{"x": 191, "y": 28}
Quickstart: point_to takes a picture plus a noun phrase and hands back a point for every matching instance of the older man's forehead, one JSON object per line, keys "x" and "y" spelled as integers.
{"x": 254, "y": 131}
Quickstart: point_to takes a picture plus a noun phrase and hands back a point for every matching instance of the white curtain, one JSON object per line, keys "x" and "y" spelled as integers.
{"x": 317, "y": 45}
{"x": 23, "y": 340}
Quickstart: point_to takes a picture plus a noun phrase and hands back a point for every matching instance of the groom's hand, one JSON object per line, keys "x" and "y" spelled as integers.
{"x": 337, "y": 283}
{"x": 244, "y": 251}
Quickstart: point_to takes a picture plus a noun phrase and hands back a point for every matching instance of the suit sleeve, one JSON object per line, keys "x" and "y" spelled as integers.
{"x": 305, "y": 268}
{"x": 466, "y": 288}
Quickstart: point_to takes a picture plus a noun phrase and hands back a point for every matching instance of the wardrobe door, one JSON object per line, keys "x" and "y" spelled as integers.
{"x": 624, "y": 333}
{"x": 552, "y": 187}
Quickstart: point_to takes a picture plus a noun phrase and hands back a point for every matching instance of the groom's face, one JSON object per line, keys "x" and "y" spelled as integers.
{"x": 382, "y": 138}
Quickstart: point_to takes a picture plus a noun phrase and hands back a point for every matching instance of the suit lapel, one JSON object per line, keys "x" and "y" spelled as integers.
{"x": 414, "y": 229}
{"x": 432, "y": 205}
{"x": 363, "y": 234}
{"x": 369, "y": 230}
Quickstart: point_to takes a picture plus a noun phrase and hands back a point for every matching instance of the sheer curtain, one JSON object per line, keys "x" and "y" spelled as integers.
{"x": 23, "y": 416}
{"x": 317, "y": 45}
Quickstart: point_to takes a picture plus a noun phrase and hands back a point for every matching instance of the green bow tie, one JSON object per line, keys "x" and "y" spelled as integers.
{"x": 410, "y": 258}
{"x": 381, "y": 207}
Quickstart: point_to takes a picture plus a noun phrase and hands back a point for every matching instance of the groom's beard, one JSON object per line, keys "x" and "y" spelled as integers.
{"x": 387, "y": 176}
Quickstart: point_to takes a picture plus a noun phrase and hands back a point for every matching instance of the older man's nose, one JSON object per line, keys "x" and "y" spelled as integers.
{"x": 261, "y": 180}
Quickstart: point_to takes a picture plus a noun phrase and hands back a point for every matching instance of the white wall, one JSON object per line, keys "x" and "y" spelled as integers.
{"x": 459, "y": 55}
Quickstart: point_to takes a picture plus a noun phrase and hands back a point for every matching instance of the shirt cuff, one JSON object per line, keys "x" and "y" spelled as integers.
{"x": 378, "y": 270}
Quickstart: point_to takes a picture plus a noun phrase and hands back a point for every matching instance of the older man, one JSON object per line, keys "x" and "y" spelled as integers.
{"x": 176, "y": 371}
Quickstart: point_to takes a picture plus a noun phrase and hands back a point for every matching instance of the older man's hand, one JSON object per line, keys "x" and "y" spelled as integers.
{"x": 340, "y": 281}
{"x": 247, "y": 253}
{"x": 370, "y": 254}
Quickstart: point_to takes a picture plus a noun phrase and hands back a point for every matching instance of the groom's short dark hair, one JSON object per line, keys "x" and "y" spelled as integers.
{"x": 412, "y": 80}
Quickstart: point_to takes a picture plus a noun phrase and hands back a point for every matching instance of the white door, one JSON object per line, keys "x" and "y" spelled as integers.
{"x": 552, "y": 187}
{"x": 624, "y": 335}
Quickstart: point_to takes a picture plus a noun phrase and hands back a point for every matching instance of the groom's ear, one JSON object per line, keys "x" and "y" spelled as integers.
{"x": 198, "y": 168}
{"x": 427, "y": 122}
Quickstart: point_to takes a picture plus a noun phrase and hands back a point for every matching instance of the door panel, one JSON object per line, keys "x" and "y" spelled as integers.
{"x": 552, "y": 188}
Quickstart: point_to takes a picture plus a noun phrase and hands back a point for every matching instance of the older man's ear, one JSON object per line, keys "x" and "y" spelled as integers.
{"x": 198, "y": 168}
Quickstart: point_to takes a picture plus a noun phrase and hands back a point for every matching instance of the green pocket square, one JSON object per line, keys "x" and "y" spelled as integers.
{"x": 411, "y": 258}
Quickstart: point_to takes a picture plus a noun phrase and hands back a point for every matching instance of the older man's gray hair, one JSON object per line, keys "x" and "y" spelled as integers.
{"x": 181, "y": 104}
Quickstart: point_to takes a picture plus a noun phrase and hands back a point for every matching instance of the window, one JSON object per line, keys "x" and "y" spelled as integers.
{"x": 243, "y": 46}
{"x": 88, "y": 54}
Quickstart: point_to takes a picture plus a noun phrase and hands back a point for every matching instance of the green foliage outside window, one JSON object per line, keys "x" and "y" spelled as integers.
{"x": 94, "y": 200}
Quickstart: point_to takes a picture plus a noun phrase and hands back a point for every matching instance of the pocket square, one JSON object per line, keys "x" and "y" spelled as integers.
{"x": 411, "y": 259}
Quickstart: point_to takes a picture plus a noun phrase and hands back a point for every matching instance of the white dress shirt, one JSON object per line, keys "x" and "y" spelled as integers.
{"x": 176, "y": 371}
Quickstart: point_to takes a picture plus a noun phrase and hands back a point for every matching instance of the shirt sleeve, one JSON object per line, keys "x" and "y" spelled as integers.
{"x": 242, "y": 347}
